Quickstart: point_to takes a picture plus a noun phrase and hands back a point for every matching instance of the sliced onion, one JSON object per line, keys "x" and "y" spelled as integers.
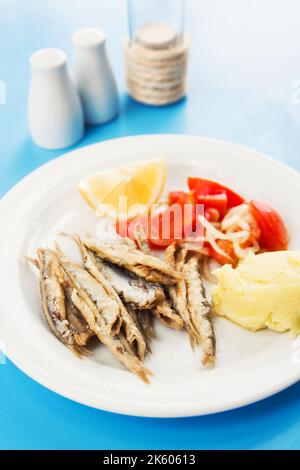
{"x": 237, "y": 218}
{"x": 196, "y": 246}
{"x": 216, "y": 247}
{"x": 217, "y": 234}
{"x": 235, "y": 221}
{"x": 243, "y": 252}
{"x": 238, "y": 250}
{"x": 229, "y": 221}
{"x": 238, "y": 210}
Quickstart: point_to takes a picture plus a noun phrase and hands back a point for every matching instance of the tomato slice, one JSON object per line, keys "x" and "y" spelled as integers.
{"x": 165, "y": 227}
{"x": 175, "y": 222}
{"x": 227, "y": 247}
{"x": 206, "y": 187}
{"x": 215, "y": 205}
{"x": 214, "y": 201}
{"x": 179, "y": 197}
{"x": 212, "y": 215}
{"x": 274, "y": 235}
{"x": 160, "y": 229}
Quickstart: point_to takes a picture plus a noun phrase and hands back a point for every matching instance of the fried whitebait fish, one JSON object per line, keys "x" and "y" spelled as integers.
{"x": 188, "y": 299}
{"x": 143, "y": 265}
{"x": 82, "y": 332}
{"x": 133, "y": 290}
{"x": 54, "y": 303}
{"x": 175, "y": 255}
{"x": 127, "y": 325}
{"x": 200, "y": 310}
{"x": 117, "y": 344}
{"x": 167, "y": 316}
{"x": 163, "y": 311}
{"x": 102, "y": 314}
{"x": 94, "y": 293}
{"x": 144, "y": 321}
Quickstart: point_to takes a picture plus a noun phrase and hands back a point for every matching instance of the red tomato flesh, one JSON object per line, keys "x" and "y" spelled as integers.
{"x": 175, "y": 222}
{"x": 179, "y": 197}
{"x": 227, "y": 247}
{"x": 206, "y": 187}
{"x": 274, "y": 235}
{"x": 212, "y": 215}
{"x": 214, "y": 201}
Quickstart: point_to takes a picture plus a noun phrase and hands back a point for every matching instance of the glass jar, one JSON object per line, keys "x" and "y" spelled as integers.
{"x": 156, "y": 24}
{"x": 156, "y": 51}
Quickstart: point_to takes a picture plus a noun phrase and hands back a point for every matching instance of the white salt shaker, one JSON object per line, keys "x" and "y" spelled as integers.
{"x": 55, "y": 113}
{"x": 93, "y": 76}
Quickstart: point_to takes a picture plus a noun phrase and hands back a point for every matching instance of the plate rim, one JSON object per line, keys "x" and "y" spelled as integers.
{"x": 37, "y": 374}
{"x": 258, "y": 154}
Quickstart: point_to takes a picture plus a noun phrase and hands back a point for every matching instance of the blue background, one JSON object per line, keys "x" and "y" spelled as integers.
{"x": 245, "y": 62}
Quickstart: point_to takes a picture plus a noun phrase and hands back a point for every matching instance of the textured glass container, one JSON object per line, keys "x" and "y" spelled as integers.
{"x": 156, "y": 51}
{"x": 156, "y": 23}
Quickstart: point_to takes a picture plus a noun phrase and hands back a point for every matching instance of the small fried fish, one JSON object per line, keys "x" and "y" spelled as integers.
{"x": 176, "y": 255}
{"x": 145, "y": 318}
{"x": 54, "y": 301}
{"x": 146, "y": 266}
{"x": 94, "y": 294}
{"x": 133, "y": 290}
{"x": 144, "y": 321}
{"x": 130, "y": 330}
{"x": 200, "y": 310}
{"x": 167, "y": 316}
{"x": 116, "y": 344}
{"x": 163, "y": 311}
{"x": 82, "y": 332}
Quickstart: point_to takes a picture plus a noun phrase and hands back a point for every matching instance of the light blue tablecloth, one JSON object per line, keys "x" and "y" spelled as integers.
{"x": 245, "y": 59}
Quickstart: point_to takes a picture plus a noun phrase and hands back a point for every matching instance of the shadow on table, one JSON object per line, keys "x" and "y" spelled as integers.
{"x": 136, "y": 119}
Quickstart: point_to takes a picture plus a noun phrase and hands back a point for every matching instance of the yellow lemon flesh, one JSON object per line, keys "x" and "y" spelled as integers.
{"x": 125, "y": 192}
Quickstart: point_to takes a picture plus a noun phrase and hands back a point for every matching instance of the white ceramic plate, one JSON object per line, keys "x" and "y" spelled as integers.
{"x": 250, "y": 366}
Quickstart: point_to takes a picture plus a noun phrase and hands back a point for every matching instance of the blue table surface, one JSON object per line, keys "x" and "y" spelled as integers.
{"x": 244, "y": 68}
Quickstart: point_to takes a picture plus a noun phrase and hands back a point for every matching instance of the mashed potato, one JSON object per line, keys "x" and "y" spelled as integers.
{"x": 263, "y": 291}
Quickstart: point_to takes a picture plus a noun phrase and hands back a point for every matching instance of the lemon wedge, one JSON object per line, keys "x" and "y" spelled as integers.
{"x": 125, "y": 192}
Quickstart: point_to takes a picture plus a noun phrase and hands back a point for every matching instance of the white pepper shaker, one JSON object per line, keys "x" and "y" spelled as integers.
{"x": 54, "y": 109}
{"x": 93, "y": 76}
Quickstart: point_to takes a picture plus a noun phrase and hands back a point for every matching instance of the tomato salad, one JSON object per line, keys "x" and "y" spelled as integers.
{"x": 228, "y": 226}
